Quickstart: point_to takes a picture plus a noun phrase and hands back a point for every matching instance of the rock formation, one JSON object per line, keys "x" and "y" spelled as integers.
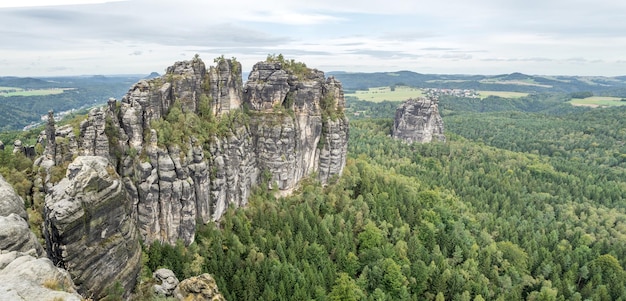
{"x": 167, "y": 282}
{"x": 10, "y": 202}
{"x": 418, "y": 120}
{"x": 24, "y": 276}
{"x": 178, "y": 150}
{"x": 198, "y": 288}
{"x": 88, "y": 227}
{"x": 16, "y": 236}
{"x": 284, "y": 133}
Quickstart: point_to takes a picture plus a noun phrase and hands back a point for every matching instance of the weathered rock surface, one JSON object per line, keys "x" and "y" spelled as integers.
{"x": 200, "y": 288}
{"x": 10, "y": 202}
{"x": 225, "y": 86}
{"x": 24, "y": 277}
{"x": 18, "y": 147}
{"x": 418, "y": 120}
{"x": 93, "y": 140}
{"x": 167, "y": 282}
{"x": 16, "y": 236}
{"x": 287, "y": 136}
{"x": 123, "y": 184}
{"x": 89, "y": 229}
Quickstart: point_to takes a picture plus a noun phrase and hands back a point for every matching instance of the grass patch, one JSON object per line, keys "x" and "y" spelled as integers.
{"x": 10, "y": 91}
{"x": 598, "y": 101}
{"x": 380, "y": 94}
{"x": 503, "y": 94}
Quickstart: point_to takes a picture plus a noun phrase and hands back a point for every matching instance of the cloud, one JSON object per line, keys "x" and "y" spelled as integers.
{"x": 38, "y": 3}
{"x": 478, "y": 36}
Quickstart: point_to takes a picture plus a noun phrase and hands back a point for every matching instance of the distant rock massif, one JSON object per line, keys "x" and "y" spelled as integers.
{"x": 418, "y": 120}
{"x": 176, "y": 151}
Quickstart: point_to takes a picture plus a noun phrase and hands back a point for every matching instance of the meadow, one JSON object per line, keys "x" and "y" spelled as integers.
{"x": 379, "y": 94}
{"x": 598, "y": 101}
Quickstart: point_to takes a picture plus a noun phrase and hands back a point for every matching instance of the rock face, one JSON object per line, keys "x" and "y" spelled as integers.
{"x": 88, "y": 227}
{"x": 198, "y": 288}
{"x": 129, "y": 179}
{"x": 14, "y": 232}
{"x": 418, "y": 120}
{"x": 10, "y": 202}
{"x": 286, "y": 133}
{"x": 23, "y": 276}
{"x": 16, "y": 236}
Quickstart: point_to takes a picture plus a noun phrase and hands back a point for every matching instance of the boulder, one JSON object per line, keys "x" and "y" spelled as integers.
{"x": 24, "y": 277}
{"x": 167, "y": 282}
{"x": 200, "y": 288}
{"x": 16, "y": 236}
{"x": 10, "y": 202}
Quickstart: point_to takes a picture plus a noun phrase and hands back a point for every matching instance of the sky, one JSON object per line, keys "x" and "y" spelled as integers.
{"x": 540, "y": 37}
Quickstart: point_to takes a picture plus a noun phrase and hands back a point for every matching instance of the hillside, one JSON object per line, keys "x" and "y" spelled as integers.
{"x": 515, "y": 82}
{"x": 78, "y": 92}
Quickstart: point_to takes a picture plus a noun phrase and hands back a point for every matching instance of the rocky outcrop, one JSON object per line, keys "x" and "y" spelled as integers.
{"x": 10, "y": 202}
{"x": 286, "y": 133}
{"x": 166, "y": 282}
{"x": 200, "y": 288}
{"x": 225, "y": 86}
{"x": 24, "y": 277}
{"x": 16, "y": 236}
{"x": 88, "y": 227}
{"x": 93, "y": 140}
{"x": 418, "y": 120}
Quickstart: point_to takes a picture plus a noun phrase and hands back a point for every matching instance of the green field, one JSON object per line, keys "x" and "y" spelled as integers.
{"x": 503, "y": 94}
{"x": 21, "y": 92}
{"x": 380, "y": 94}
{"x": 598, "y": 101}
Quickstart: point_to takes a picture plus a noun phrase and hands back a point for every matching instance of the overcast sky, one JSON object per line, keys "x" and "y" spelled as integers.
{"x": 549, "y": 37}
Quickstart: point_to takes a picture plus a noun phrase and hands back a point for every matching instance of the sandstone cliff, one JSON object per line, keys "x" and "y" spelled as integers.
{"x": 178, "y": 150}
{"x": 24, "y": 273}
{"x": 418, "y": 120}
{"x": 275, "y": 125}
{"x": 88, "y": 227}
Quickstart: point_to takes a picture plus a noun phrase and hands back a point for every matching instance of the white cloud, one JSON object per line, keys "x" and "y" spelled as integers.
{"x": 35, "y": 3}
{"x": 454, "y": 36}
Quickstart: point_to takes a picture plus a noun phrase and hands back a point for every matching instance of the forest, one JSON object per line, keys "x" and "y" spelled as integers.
{"x": 525, "y": 201}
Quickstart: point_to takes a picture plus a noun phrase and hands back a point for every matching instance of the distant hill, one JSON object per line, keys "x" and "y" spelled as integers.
{"x": 516, "y": 82}
{"x": 17, "y": 112}
{"x": 152, "y": 75}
